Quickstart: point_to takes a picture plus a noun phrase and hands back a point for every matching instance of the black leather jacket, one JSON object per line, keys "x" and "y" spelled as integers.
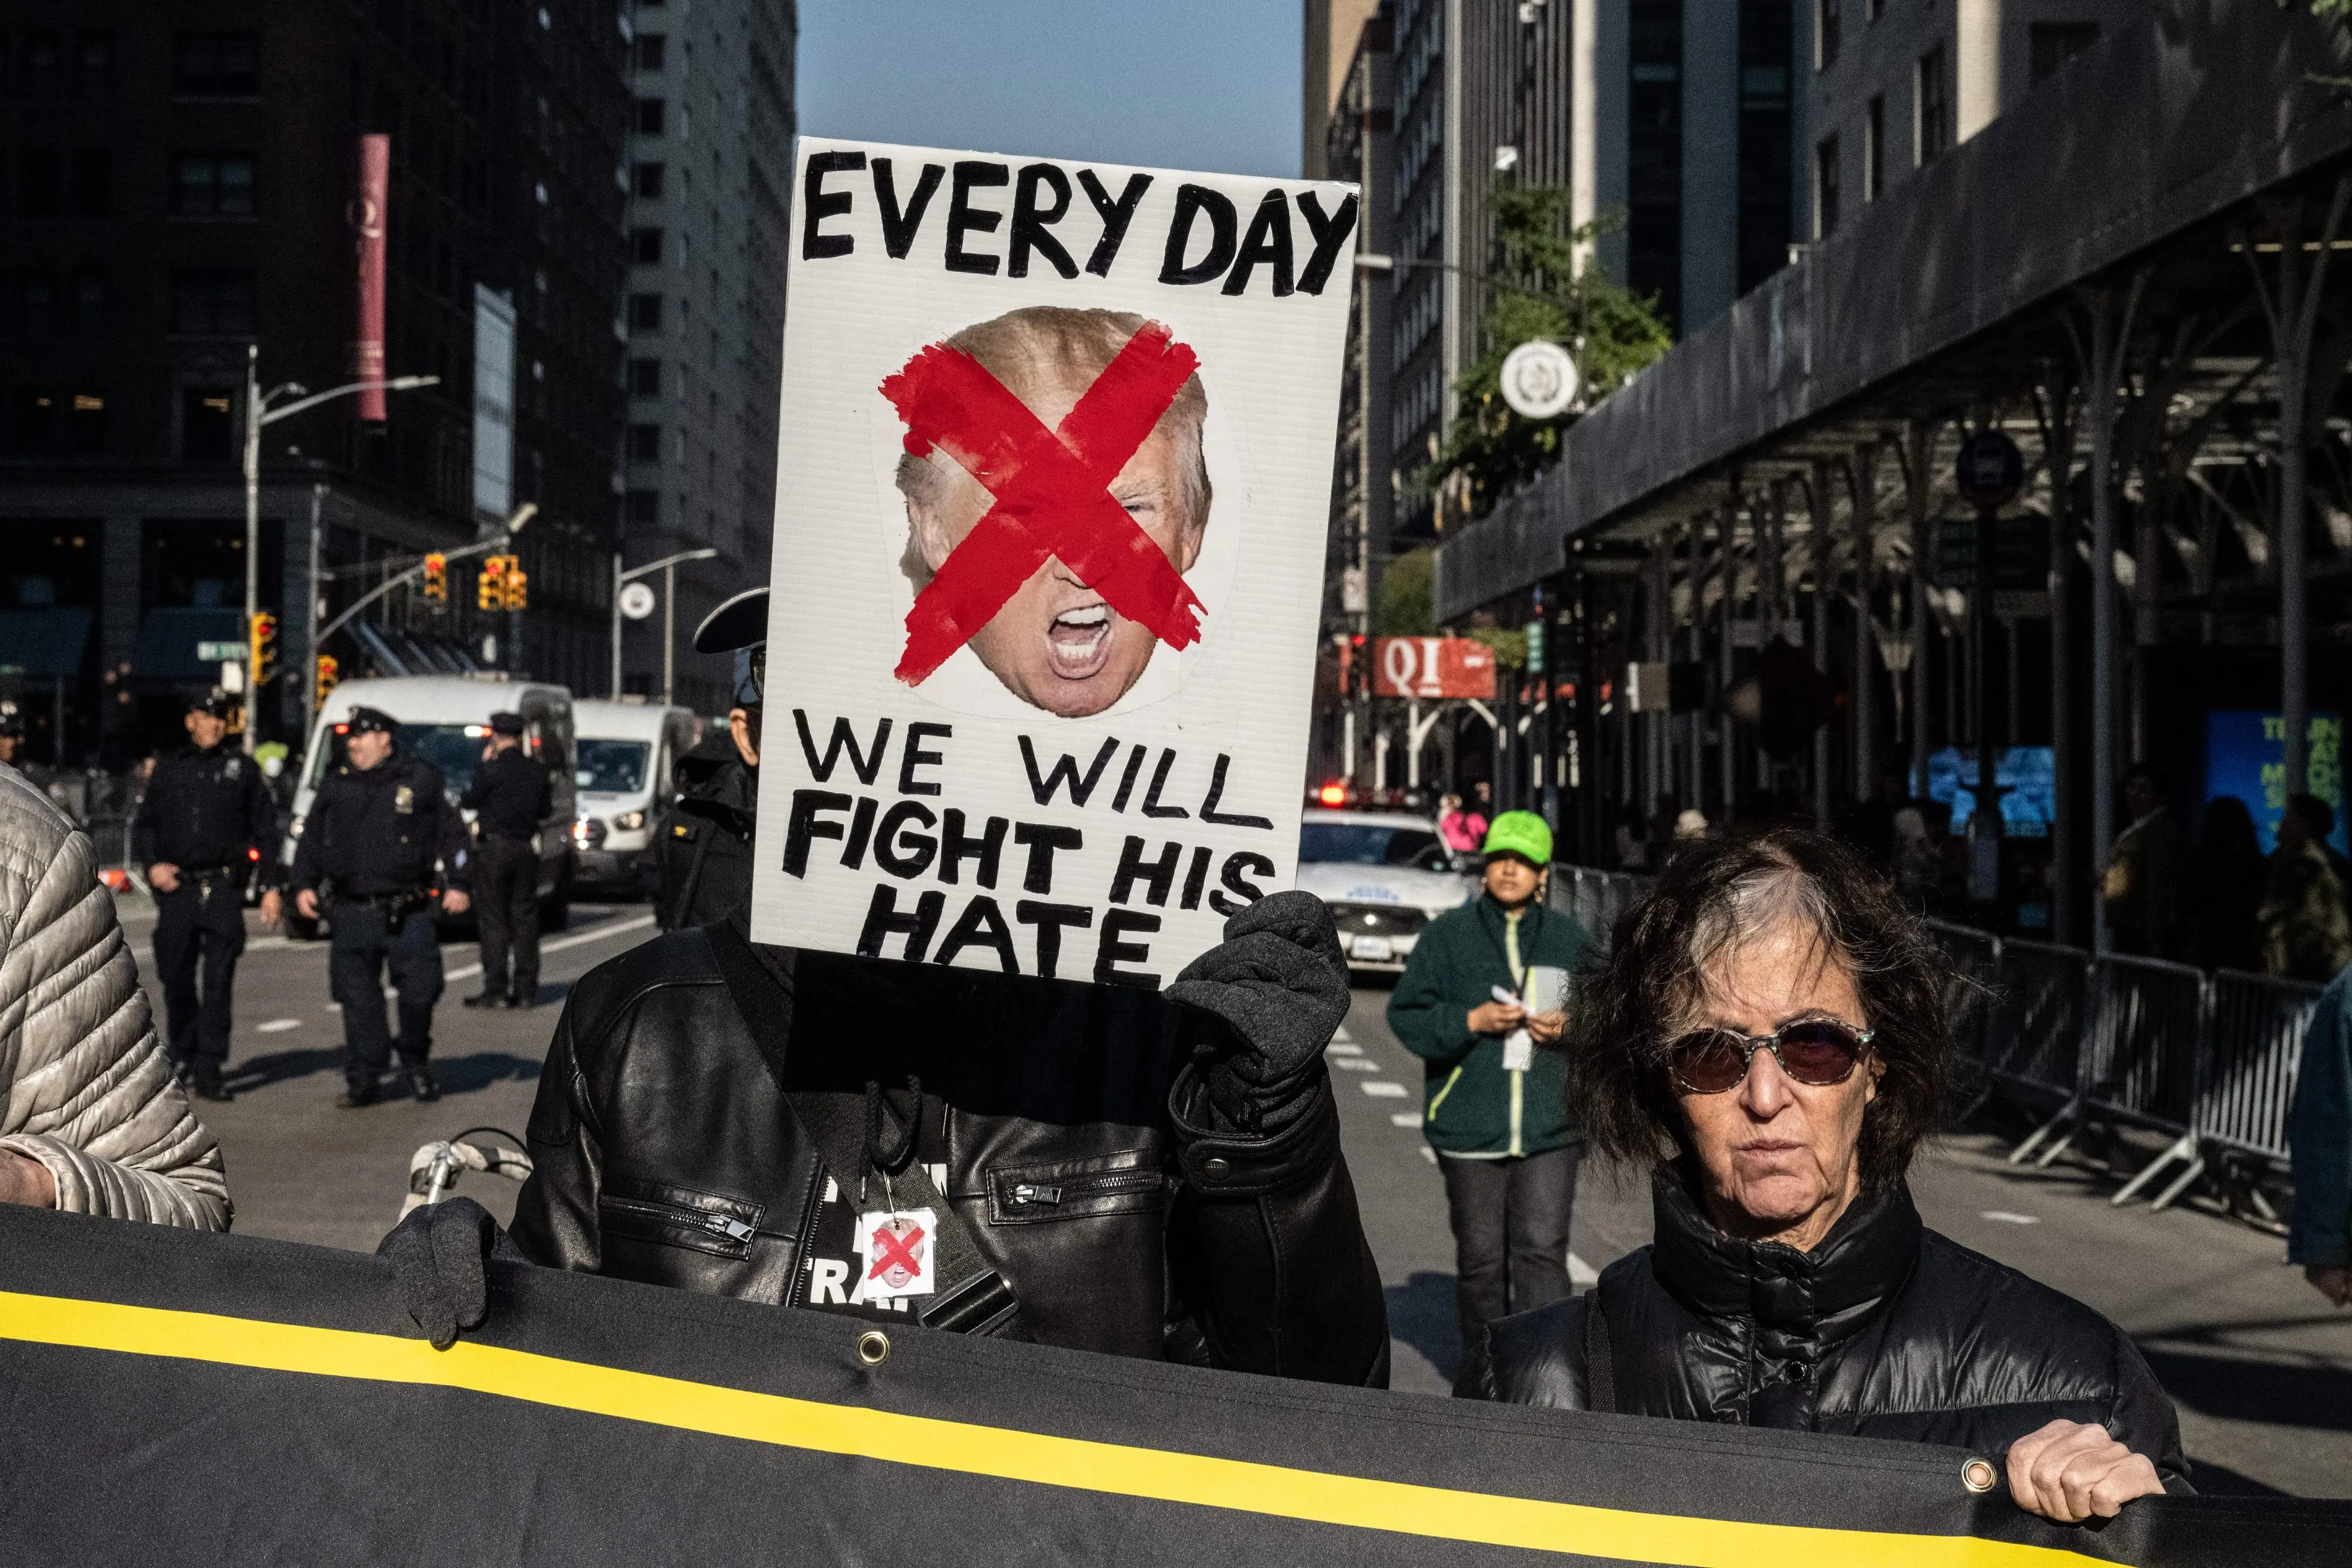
{"x": 1886, "y": 1330}
{"x": 1067, "y": 1121}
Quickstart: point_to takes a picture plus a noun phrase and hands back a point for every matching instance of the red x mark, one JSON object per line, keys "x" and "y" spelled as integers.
{"x": 1051, "y": 490}
{"x": 891, "y": 1247}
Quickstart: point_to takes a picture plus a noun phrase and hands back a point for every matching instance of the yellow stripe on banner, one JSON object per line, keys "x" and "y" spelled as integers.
{"x": 1007, "y": 1454}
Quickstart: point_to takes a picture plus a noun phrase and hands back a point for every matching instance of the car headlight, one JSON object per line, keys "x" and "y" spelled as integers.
{"x": 294, "y": 828}
{"x": 629, "y": 821}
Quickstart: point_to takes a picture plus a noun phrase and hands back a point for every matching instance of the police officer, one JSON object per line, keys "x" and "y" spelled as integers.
{"x": 371, "y": 837}
{"x": 703, "y": 847}
{"x": 205, "y": 824}
{"x": 508, "y": 795}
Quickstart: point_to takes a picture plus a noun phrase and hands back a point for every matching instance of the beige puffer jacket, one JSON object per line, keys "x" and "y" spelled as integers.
{"x": 84, "y": 1085}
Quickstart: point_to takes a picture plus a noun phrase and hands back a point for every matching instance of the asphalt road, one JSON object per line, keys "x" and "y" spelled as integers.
{"x": 2261, "y": 1366}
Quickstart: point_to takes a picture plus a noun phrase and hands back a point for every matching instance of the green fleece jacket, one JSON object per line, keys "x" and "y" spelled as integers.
{"x": 1471, "y": 1104}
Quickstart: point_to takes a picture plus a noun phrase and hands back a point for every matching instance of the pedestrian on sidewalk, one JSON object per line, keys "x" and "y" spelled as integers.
{"x": 2141, "y": 881}
{"x": 508, "y": 795}
{"x": 2319, "y": 1226}
{"x": 2228, "y": 873}
{"x": 374, "y": 833}
{"x": 90, "y": 1120}
{"x": 1464, "y": 831}
{"x": 2306, "y": 934}
{"x": 206, "y": 824}
{"x": 1495, "y": 1107}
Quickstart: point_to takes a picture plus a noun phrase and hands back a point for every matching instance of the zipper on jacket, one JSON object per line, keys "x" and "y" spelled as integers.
{"x": 1438, "y": 1098}
{"x": 1029, "y": 1195}
{"x": 796, "y": 1294}
{"x": 725, "y": 1226}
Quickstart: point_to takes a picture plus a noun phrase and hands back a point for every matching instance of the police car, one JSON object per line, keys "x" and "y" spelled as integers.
{"x": 1385, "y": 874}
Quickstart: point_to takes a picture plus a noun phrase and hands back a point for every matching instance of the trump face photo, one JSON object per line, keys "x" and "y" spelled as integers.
{"x": 1056, "y": 643}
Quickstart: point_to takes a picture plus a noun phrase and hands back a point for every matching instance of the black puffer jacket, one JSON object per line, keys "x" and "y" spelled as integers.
{"x": 1886, "y": 1330}
{"x": 1066, "y": 1124}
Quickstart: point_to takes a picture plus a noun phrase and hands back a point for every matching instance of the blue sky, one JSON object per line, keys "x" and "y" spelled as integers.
{"x": 1186, "y": 84}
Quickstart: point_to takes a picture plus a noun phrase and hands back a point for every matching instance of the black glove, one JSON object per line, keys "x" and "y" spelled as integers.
{"x": 438, "y": 1254}
{"x": 1279, "y": 982}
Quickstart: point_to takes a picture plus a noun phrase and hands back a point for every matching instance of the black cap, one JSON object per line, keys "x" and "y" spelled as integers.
{"x": 12, "y": 721}
{"x": 506, "y": 724}
{"x": 740, "y": 622}
{"x": 368, "y": 721}
{"x": 216, "y": 702}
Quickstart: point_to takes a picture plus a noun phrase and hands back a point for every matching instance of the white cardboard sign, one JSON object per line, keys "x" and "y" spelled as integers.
{"x": 1052, "y": 491}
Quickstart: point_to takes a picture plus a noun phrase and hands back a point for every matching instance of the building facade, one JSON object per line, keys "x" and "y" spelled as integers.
{"x": 181, "y": 190}
{"x": 711, "y": 175}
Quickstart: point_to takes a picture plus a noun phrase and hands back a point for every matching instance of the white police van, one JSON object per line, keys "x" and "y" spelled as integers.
{"x": 627, "y": 774}
{"x": 445, "y": 720}
{"x": 1385, "y": 875}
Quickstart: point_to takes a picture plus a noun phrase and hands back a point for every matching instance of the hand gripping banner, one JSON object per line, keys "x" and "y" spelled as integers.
{"x": 174, "y": 1398}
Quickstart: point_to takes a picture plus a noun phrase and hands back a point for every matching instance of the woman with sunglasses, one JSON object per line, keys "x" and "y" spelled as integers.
{"x": 1768, "y": 1036}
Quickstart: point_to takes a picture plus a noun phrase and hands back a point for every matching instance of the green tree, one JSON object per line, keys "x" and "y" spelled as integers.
{"x": 1539, "y": 291}
{"x": 1407, "y": 600}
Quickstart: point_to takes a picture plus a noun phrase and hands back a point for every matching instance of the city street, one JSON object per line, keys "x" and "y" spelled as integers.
{"x": 2260, "y": 1367}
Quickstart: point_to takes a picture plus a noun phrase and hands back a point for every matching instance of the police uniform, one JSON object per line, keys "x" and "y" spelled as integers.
{"x": 508, "y": 795}
{"x": 703, "y": 847}
{"x": 372, "y": 836}
{"x": 208, "y": 813}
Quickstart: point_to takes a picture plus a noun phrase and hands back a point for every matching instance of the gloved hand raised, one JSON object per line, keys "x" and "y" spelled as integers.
{"x": 439, "y": 1254}
{"x": 1279, "y": 981}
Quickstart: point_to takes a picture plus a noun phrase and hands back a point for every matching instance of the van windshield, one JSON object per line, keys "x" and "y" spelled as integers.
{"x": 613, "y": 767}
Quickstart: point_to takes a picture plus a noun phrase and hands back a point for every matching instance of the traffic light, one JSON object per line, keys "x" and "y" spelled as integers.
{"x": 490, "y": 588}
{"x": 518, "y": 585}
{"x": 263, "y": 645}
{"x": 437, "y": 579}
{"x": 326, "y": 678}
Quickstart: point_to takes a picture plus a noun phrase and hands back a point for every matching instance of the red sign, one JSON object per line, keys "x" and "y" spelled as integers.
{"x": 1432, "y": 667}
{"x": 1050, "y": 491}
{"x": 370, "y": 200}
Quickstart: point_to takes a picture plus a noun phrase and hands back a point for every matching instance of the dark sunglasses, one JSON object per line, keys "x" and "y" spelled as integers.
{"x": 757, "y": 673}
{"x": 1815, "y": 1051}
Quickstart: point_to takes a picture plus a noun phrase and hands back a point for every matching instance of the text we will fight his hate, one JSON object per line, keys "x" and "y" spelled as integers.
{"x": 908, "y": 842}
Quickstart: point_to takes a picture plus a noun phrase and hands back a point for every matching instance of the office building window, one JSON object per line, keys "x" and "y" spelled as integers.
{"x": 2053, "y": 44}
{"x": 651, "y": 48}
{"x": 1653, "y": 230}
{"x": 644, "y": 378}
{"x": 36, "y": 304}
{"x": 644, "y": 508}
{"x": 647, "y": 182}
{"x": 1825, "y": 188}
{"x": 1872, "y": 10}
{"x": 645, "y": 312}
{"x": 645, "y": 444}
{"x": 1933, "y": 131}
{"x": 1874, "y": 150}
{"x": 89, "y": 304}
{"x": 91, "y": 191}
{"x": 207, "y": 430}
{"x": 40, "y": 182}
{"x": 216, "y": 65}
{"x": 213, "y": 185}
{"x": 1767, "y": 37}
{"x": 93, "y": 66}
{"x": 212, "y": 303}
{"x": 645, "y": 245}
{"x": 1829, "y": 29}
{"x": 650, "y": 115}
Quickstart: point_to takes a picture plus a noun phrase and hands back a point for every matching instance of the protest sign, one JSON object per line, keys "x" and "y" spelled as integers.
{"x": 195, "y": 1398}
{"x": 1051, "y": 490}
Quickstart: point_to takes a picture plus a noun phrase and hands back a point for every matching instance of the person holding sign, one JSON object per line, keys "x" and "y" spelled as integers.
{"x": 1770, "y": 1039}
{"x": 1485, "y": 987}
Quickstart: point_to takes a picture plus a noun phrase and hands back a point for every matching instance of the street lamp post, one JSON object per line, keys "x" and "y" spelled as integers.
{"x": 667, "y": 567}
{"x": 257, "y": 413}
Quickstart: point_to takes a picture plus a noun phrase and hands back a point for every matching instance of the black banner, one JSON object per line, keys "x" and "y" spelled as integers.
{"x": 168, "y": 1397}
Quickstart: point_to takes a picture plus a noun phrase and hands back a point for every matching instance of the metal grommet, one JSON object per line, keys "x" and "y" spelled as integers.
{"x": 1978, "y": 1475}
{"x": 874, "y": 1349}
{"x": 1215, "y": 1165}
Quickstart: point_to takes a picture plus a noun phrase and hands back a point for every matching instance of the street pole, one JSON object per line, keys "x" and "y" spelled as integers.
{"x": 310, "y": 620}
{"x": 616, "y": 625}
{"x": 670, "y": 630}
{"x": 253, "y": 423}
{"x": 667, "y": 566}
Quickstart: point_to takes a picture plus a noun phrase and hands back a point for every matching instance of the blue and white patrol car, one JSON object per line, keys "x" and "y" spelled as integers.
{"x": 1385, "y": 875}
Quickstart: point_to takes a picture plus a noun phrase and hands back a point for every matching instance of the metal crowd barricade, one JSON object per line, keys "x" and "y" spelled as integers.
{"x": 1594, "y": 898}
{"x": 1968, "y": 999}
{"x": 2038, "y": 1023}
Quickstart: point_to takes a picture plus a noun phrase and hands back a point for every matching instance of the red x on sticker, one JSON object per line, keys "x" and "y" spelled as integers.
{"x": 1051, "y": 489}
{"x": 892, "y": 1247}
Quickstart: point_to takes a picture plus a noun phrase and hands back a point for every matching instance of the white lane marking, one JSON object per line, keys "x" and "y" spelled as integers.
{"x": 1404, "y": 1118}
{"x": 1381, "y": 1089}
{"x": 277, "y": 1026}
{"x": 2006, "y": 1217}
{"x": 334, "y": 1007}
{"x": 1580, "y": 1272}
{"x": 1354, "y": 1064}
{"x": 560, "y": 942}
{"x": 1341, "y": 1034}
{"x": 1341, "y": 1048}
{"x": 1429, "y": 1154}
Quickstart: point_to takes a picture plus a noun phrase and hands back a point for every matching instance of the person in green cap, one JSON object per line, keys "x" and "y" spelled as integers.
{"x": 1483, "y": 994}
